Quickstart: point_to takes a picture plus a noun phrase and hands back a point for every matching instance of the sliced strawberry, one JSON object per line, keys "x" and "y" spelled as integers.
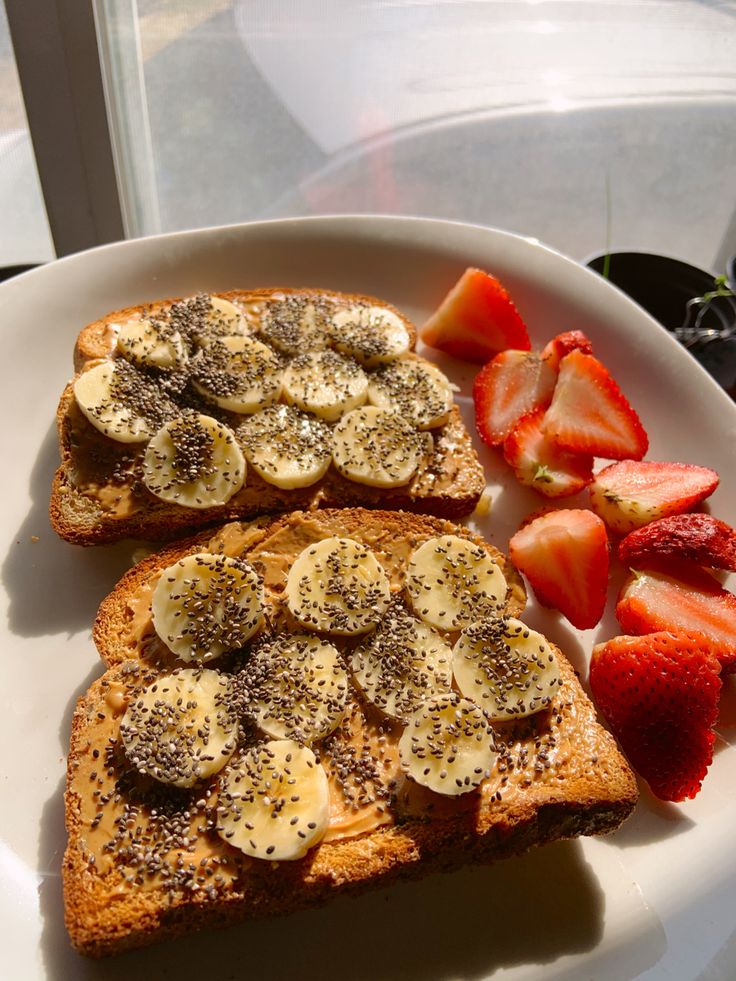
{"x": 507, "y": 388}
{"x": 476, "y": 320}
{"x": 659, "y": 696}
{"x": 589, "y": 413}
{"x": 558, "y": 347}
{"x": 538, "y": 463}
{"x": 679, "y": 598}
{"x": 698, "y": 538}
{"x": 630, "y": 494}
{"x": 564, "y": 555}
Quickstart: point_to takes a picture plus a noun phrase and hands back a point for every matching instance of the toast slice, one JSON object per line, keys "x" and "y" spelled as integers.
{"x": 146, "y": 861}
{"x": 99, "y": 494}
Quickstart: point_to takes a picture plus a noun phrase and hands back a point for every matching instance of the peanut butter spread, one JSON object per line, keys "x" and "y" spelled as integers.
{"x": 251, "y": 310}
{"x": 146, "y": 836}
{"x": 150, "y": 837}
{"x": 140, "y": 834}
{"x": 110, "y": 474}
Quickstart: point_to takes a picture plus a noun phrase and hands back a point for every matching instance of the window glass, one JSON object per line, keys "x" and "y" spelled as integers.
{"x": 24, "y": 230}
{"x": 531, "y": 115}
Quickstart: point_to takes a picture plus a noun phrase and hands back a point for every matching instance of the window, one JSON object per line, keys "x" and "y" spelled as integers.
{"x": 580, "y": 122}
{"x": 24, "y": 231}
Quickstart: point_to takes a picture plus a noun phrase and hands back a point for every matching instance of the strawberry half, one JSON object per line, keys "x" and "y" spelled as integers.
{"x": 659, "y": 696}
{"x": 630, "y": 494}
{"x": 476, "y": 320}
{"x": 682, "y": 598}
{"x": 589, "y": 413}
{"x": 538, "y": 463}
{"x": 564, "y": 555}
{"x": 558, "y": 347}
{"x": 507, "y": 388}
{"x": 698, "y": 538}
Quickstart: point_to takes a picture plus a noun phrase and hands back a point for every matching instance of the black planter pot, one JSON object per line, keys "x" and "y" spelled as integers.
{"x": 7, "y": 272}
{"x": 663, "y": 287}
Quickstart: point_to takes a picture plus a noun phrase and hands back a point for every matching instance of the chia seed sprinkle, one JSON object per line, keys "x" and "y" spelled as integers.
{"x": 338, "y": 586}
{"x": 239, "y": 369}
{"x": 420, "y": 394}
{"x": 293, "y": 687}
{"x": 324, "y": 382}
{"x": 295, "y": 323}
{"x": 453, "y": 581}
{"x": 132, "y": 394}
{"x": 219, "y": 608}
{"x": 402, "y": 662}
{"x": 512, "y": 680}
{"x": 281, "y": 437}
{"x": 378, "y": 446}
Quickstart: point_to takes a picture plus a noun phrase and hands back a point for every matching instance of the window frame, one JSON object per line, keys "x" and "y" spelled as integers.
{"x": 58, "y": 61}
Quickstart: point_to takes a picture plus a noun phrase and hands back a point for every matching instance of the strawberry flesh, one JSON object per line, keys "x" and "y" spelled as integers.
{"x": 589, "y": 413}
{"x": 632, "y": 493}
{"x": 476, "y": 320}
{"x": 659, "y": 695}
{"x": 562, "y": 344}
{"x": 698, "y": 538}
{"x": 564, "y": 555}
{"x": 507, "y": 388}
{"x": 538, "y": 463}
{"x": 681, "y": 598}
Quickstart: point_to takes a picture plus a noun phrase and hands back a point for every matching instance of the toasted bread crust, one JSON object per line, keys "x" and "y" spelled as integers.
{"x": 80, "y": 519}
{"x": 113, "y": 618}
{"x": 96, "y": 341}
{"x": 449, "y": 485}
{"x": 588, "y": 790}
{"x": 102, "y": 921}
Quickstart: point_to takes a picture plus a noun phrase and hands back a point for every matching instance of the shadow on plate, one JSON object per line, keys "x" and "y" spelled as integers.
{"x": 72, "y": 580}
{"x": 466, "y": 924}
{"x": 652, "y": 821}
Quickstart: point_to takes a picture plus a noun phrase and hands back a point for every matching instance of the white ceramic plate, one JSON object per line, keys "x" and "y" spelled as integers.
{"x": 656, "y": 900}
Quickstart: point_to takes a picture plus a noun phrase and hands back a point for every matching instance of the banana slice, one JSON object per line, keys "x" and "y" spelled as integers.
{"x": 377, "y": 447}
{"x": 416, "y": 389}
{"x": 238, "y": 374}
{"x": 506, "y": 668}
{"x": 288, "y": 448}
{"x": 402, "y": 663}
{"x": 274, "y": 802}
{"x": 224, "y": 319}
{"x": 178, "y": 729}
{"x": 325, "y": 383}
{"x": 152, "y": 344}
{"x": 295, "y": 324}
{"x": 296, "y": 687}
{"x": 121, "y": 402}
{"x": 372, "y": 335}
{"x": 194, "y": 461}
{"x": 204, "y": 318}
{"x": 452, "y": 582}
{"x": 205, "y": 604}
{"x": 338, "y": 586}
{"x": 448, "y": 745}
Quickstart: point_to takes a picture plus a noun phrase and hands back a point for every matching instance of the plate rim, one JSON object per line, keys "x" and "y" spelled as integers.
{"x": 622, "y": 305}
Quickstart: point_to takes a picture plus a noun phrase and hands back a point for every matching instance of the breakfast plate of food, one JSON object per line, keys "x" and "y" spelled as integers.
{"x": 371, "y": 572}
